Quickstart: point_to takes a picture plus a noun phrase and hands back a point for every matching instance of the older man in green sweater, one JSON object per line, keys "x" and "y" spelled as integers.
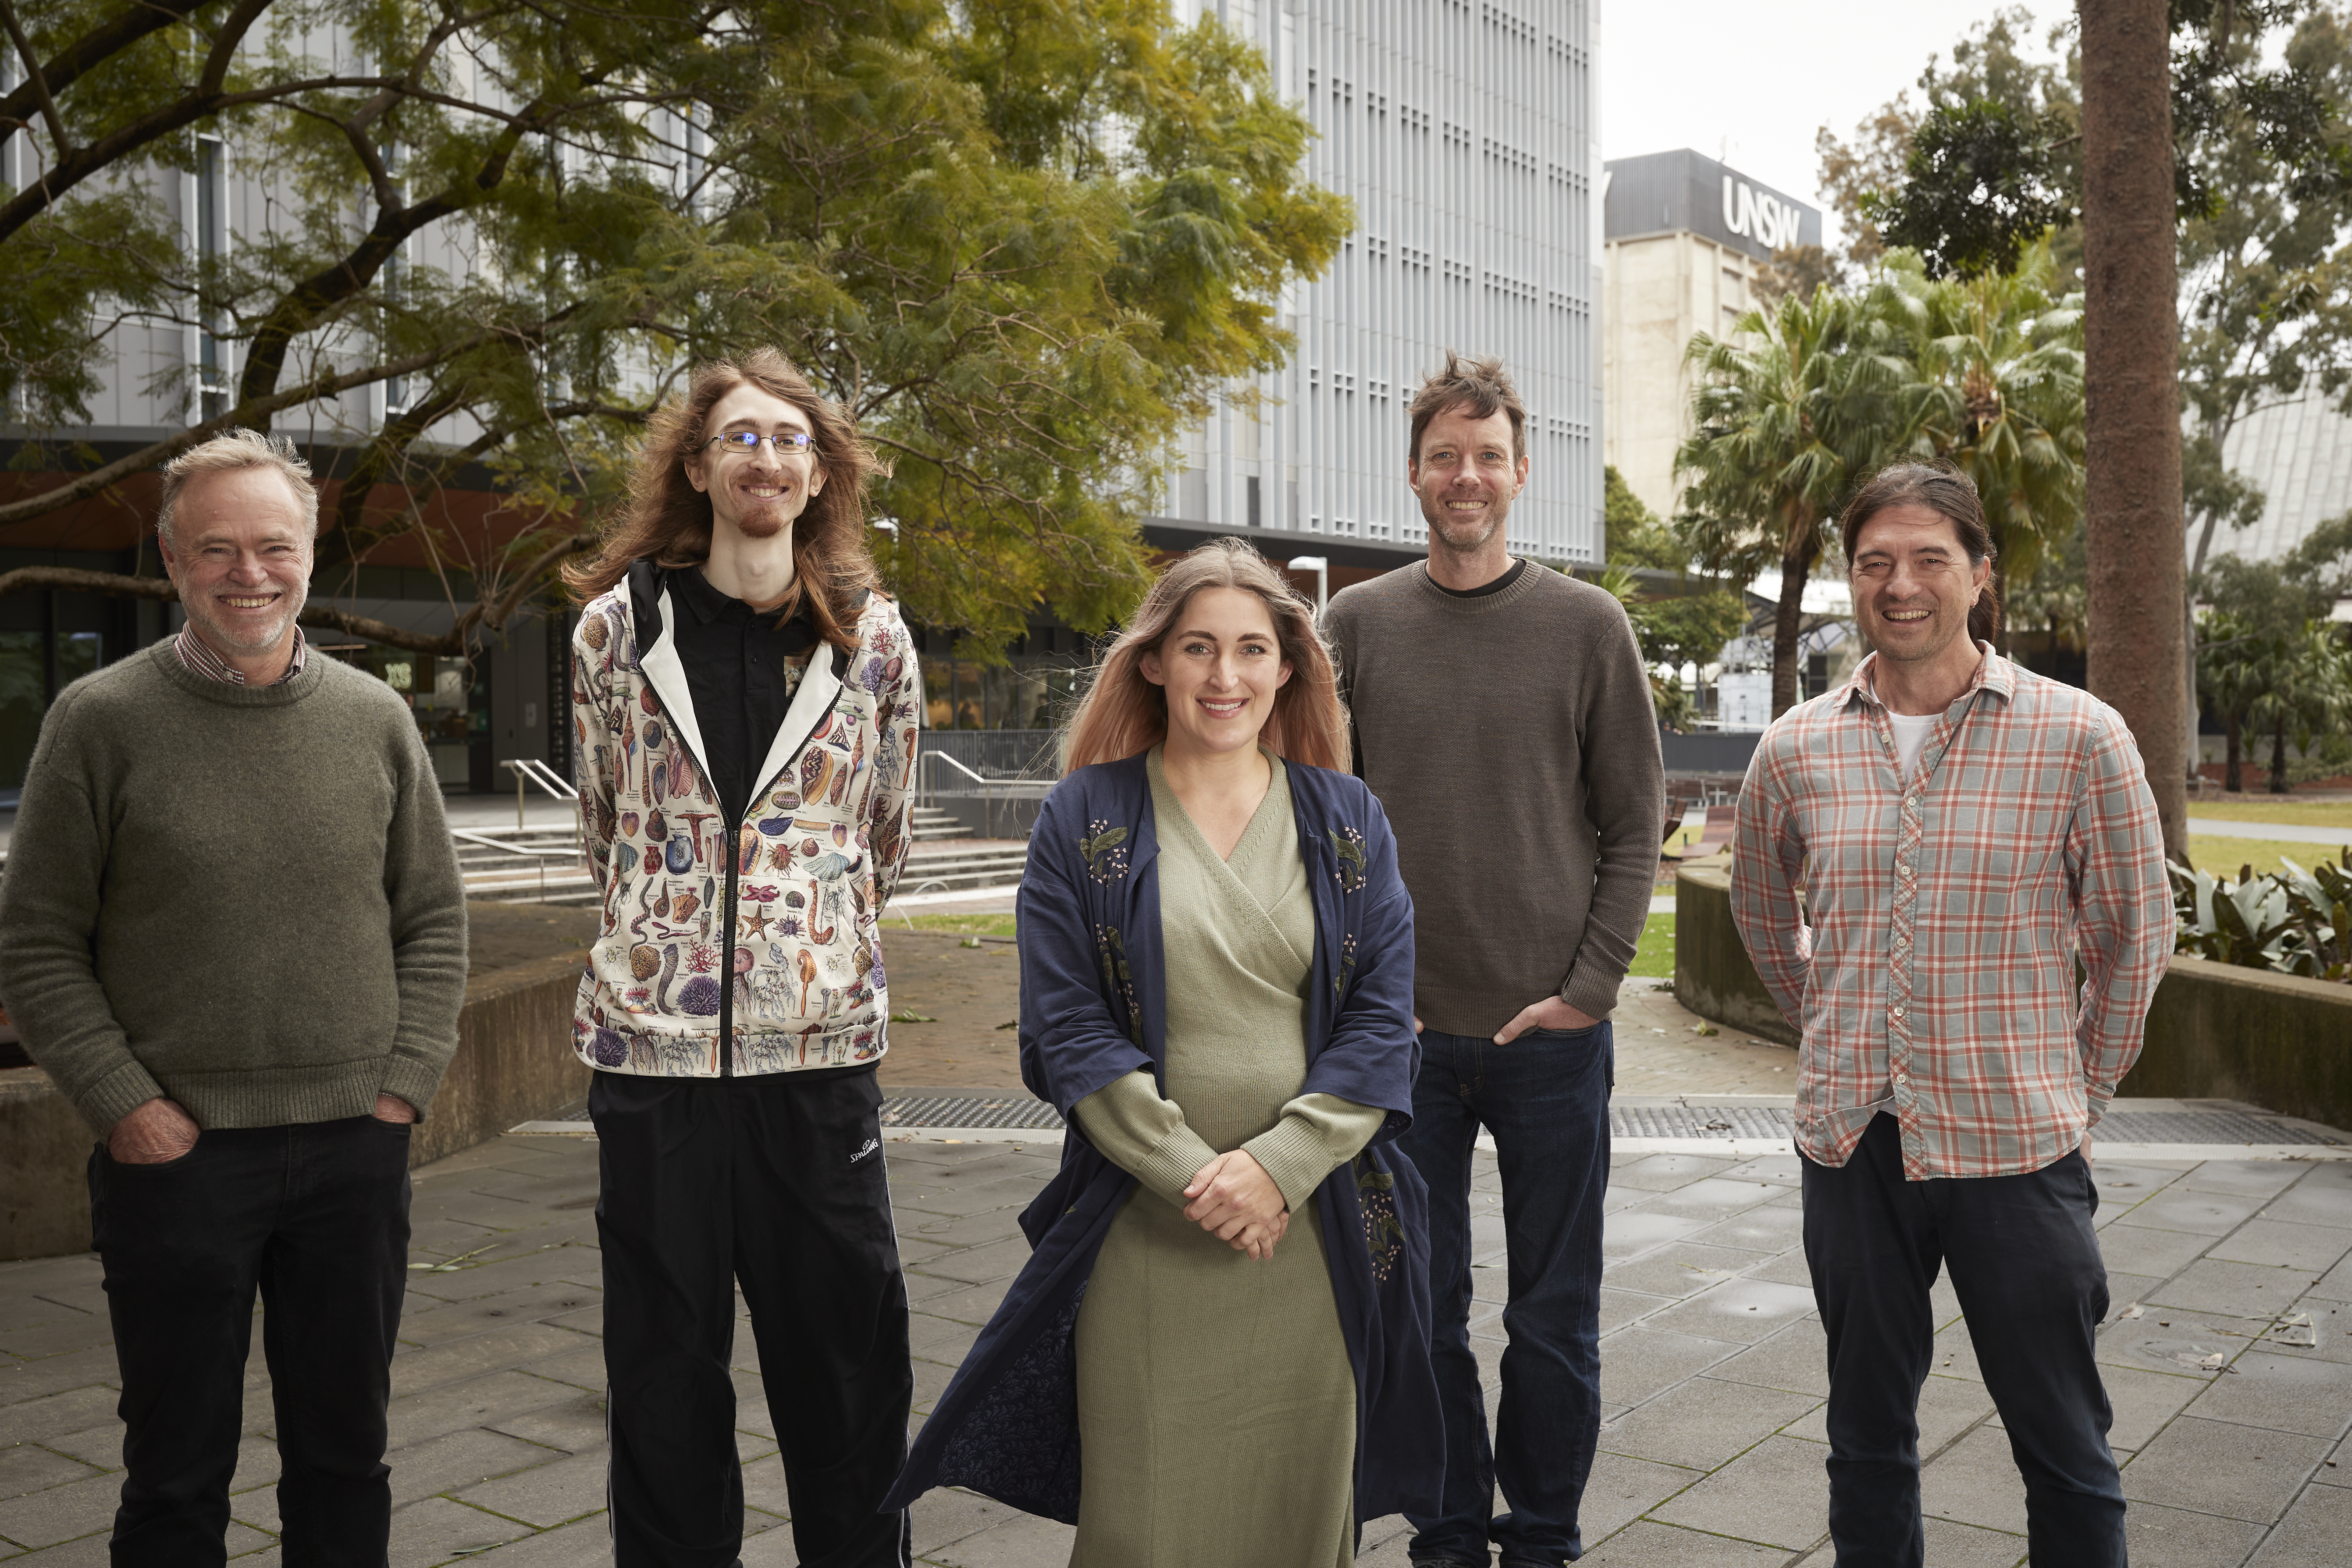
{"x": 1503, "y": 716}
{"x": 236, "y": 938}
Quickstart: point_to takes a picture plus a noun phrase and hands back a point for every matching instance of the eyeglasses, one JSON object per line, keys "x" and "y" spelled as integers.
{"x": 747, "y": 441}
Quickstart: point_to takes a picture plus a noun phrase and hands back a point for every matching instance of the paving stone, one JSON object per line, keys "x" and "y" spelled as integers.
{"x": 2159, "y": 1537}
{"x": 2314, "y": 1248}
{"x": 1665, "y": 1173}
{"x": 456, "y": 1360}
{"x": 1796, "y": 1359}
{"x": 2133, "y": 1249}
{"x": 1745, "y": 1309}
{"x": 570, "y": 1264}
{"x": 2313, "y": 1532}
{"x": 2173, "y": 1339}
{"x": 583, "y": 1366}
{"x": 1682, "y": 1268}
{"x": 90, "y": 1551}
{"x": 2280, "y": 1390}
{"x": 1622, "y": 1489}
{"x": 2128, "y": 1289}
{"x": 1974, "y": 1481}
{"x": 1704, "y": 1423}
{"x": 26, "y": 1467}
{"x": 1776, "y": 1493}
{"x": 62, "y": 1513}
{"x": 1789, "y": 1269}
{"x": 1948, "y": 1408}
{"x": 536, "y": 1303}
{"x": 1024, "y": 1541}
{"x": 500, "y": 1396}
{"x": 65, "y": 1330}
{"x": 575, "y": 1545}
{"x": 24, "y": 1380}
{"x": 1785, "y": 1169}
{"x": 2215, "y": 1466}
{"x": 432, "y": 1531}
{"x": 1629, "y": 1232}
{"x": 2312, "y": 1203}
{"x": 2144, "y": 1401}
{"x": 1617, "y": 1308}
{"x": 2244, "y": 1178}
{"x": 1717, "y": 1198}
{"x": 979, "y": 1265}
{"x": 2235, "y": 1289}
{"x": 1650, "y": 1544}
{"x": 256, "y": 1508}
{"x": 457, "y": 1461}
{"x": 1761, "y": 1229}
{"x": 955, "y": 1197}
{"x": 572, "y": 1426}
{"x": 1952, "y": 1545}
{"x": 973, "y": 1304}
{"x": 1639, "y": 1362}
{"x": 2199, "y": 1214}
{"x": 545, "y": 1494}
{"x": 926, "y": 1329}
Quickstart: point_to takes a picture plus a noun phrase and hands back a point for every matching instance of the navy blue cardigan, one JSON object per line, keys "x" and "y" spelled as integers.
{"x": 1093, "y": 987}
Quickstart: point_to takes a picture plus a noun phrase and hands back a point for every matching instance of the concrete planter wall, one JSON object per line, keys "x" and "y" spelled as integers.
{"x": 2214, "y": 1032}
{"x": 514, "y": 1063}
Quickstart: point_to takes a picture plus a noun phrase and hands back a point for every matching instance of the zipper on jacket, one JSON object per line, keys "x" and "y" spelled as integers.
{"x": 727, "y": 945}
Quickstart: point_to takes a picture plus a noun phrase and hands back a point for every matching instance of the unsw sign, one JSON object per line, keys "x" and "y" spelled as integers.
{"x": 1758, "y": 214}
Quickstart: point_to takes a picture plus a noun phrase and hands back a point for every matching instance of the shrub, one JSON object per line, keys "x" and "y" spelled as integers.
{"x": 2291, "y": 922}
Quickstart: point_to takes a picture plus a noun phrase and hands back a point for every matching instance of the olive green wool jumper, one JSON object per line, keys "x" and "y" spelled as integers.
{"x": 243, "y": 898}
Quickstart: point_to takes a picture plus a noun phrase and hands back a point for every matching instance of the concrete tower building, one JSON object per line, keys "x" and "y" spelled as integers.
{"x": 1684, "y": 241}
{"x": 1466, "y": 133}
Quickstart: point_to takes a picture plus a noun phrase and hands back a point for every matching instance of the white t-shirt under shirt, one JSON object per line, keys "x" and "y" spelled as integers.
{"x": 1911, "y": 733}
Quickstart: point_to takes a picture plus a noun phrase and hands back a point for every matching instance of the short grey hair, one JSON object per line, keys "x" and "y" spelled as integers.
{"x": 231, "y": 451}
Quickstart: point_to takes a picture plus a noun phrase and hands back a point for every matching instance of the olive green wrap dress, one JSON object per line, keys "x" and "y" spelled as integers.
{"x": 1216, "y": 1401}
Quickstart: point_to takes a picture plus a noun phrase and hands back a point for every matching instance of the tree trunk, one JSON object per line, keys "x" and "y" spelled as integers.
{"x": 2278, "y": 758}
{"x": 2139, "y": 579}
{"x": 1788, "y": 628}
{"x": 2233, "y": 779}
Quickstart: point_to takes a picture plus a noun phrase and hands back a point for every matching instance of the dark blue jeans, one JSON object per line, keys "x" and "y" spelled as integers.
{"x": 1545, "y": 1096}
{"x": 2025, "y": 1265}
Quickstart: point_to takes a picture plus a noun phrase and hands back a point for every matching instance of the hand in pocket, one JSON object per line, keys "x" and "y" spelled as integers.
{"x": 156, "y": 1132}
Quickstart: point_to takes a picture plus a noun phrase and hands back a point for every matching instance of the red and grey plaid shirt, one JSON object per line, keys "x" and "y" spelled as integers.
{"x": 199, "y": 656}
{"x": 1937, "y": 981}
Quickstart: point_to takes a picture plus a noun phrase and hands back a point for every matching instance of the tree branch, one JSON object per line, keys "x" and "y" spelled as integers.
{"x": 36, "y": 78}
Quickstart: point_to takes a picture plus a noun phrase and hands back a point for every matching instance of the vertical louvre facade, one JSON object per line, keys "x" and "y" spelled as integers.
{"x": 1465, "y": 131}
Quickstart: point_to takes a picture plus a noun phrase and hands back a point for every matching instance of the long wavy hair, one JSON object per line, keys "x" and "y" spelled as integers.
{"x": 1123, "y": 714}
{"x": 668, "y": 520}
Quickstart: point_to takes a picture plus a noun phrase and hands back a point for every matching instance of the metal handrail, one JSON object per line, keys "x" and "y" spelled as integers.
{"x": 549, "y": 781}
{"x": 487, "y": 842}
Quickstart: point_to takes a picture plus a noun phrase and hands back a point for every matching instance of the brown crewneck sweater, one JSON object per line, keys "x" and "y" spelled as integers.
{"x": 1511, "y": 738}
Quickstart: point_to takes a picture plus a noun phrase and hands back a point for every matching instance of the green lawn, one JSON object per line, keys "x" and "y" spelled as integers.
{"x": 1655, "y": 956}
{"x": 2223, "y": 856}
{"x": 966, "y": 925}
{"x": 2255, "y": 808}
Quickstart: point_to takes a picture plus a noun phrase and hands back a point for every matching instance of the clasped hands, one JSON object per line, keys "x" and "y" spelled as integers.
{"x": 159, "y": 1130}
{"x": 1236, "y": 1200}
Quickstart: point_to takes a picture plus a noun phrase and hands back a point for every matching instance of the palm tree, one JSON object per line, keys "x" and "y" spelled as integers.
{"x": 1789, "y": 413}
{"x": 2231, "y": 670}
{"x": 2306, "y": 690}
{"x": 2000, "y": 363}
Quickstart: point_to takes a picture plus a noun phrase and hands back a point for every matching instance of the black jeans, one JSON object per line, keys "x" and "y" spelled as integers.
{"x": 1545, "y": 1096}
{"x": 2025, "y": 1264}
{"x": 314, "y": 1215}
{"x": 775, "y": 1182}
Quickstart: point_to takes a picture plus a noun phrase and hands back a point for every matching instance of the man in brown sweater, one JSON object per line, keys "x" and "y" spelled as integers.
{"x": 1502, "y": 714}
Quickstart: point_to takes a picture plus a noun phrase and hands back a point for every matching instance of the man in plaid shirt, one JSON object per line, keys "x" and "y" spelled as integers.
{"x": 1964, "y": 832}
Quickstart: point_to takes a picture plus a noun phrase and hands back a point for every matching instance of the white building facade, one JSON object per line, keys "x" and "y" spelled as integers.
{"x": 1465, "y": 131}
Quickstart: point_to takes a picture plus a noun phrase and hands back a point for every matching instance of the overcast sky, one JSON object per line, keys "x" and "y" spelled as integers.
{"x": 1749, "y": 82}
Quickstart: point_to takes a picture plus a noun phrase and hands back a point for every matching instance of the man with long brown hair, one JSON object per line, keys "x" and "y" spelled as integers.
{"x": 744, "y": 704}
{"x": 1503, "y": 717}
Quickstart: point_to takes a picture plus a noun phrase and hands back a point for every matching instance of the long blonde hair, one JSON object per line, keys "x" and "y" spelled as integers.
{"x": 1123, "y": 714}
{"x": 669, "y": 520}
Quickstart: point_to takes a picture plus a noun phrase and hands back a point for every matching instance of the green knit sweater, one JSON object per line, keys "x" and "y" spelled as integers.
{"x": 243, "y": 898}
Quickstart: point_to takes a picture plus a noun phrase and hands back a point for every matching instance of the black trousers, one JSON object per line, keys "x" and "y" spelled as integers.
{"x": 315, "y": 1217}
{"x": 775, "y": 1182}
{"x": 2025, "y": 1264}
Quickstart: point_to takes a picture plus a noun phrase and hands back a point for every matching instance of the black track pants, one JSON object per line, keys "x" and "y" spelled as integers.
{"x": 777, "y": 1183}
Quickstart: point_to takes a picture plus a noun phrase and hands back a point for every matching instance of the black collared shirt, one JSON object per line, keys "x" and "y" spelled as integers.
{"x": 741, "y": 669}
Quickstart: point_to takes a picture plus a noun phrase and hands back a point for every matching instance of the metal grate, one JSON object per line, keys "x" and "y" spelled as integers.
{"x": 1725, "y": 1122}
{"x": 971, "y": 1112}
{"x": 1702, "y": 1122}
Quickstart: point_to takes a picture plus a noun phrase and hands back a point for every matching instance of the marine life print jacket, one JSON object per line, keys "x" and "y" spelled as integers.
{"x": 762, "y": 933}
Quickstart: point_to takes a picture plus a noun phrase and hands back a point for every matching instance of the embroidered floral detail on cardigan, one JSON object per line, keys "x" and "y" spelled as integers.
{"x": 1110, "y": 950}
{"x": 1376, "y": 1198}
{"x": 1101, "y": 847}
{"x": 1348, "y": 844}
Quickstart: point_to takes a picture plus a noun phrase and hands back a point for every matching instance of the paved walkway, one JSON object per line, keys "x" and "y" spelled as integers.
{"x": 2287, "y": 832}
{"x": 2232, "y": 1427}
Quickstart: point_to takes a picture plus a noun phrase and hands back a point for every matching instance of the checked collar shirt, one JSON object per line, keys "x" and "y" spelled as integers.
{"x": 1936, "y": 979}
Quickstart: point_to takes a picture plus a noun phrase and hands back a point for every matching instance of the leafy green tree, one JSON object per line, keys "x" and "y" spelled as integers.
{"x": 1674, "y": 630}
{"x": 2268, "y": 657}
{"x": 1025, "y": 241}
{"x": 1635, "y": 534}
{"x": 1789, "y": 413}
{"x": 1999, "y": 361}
